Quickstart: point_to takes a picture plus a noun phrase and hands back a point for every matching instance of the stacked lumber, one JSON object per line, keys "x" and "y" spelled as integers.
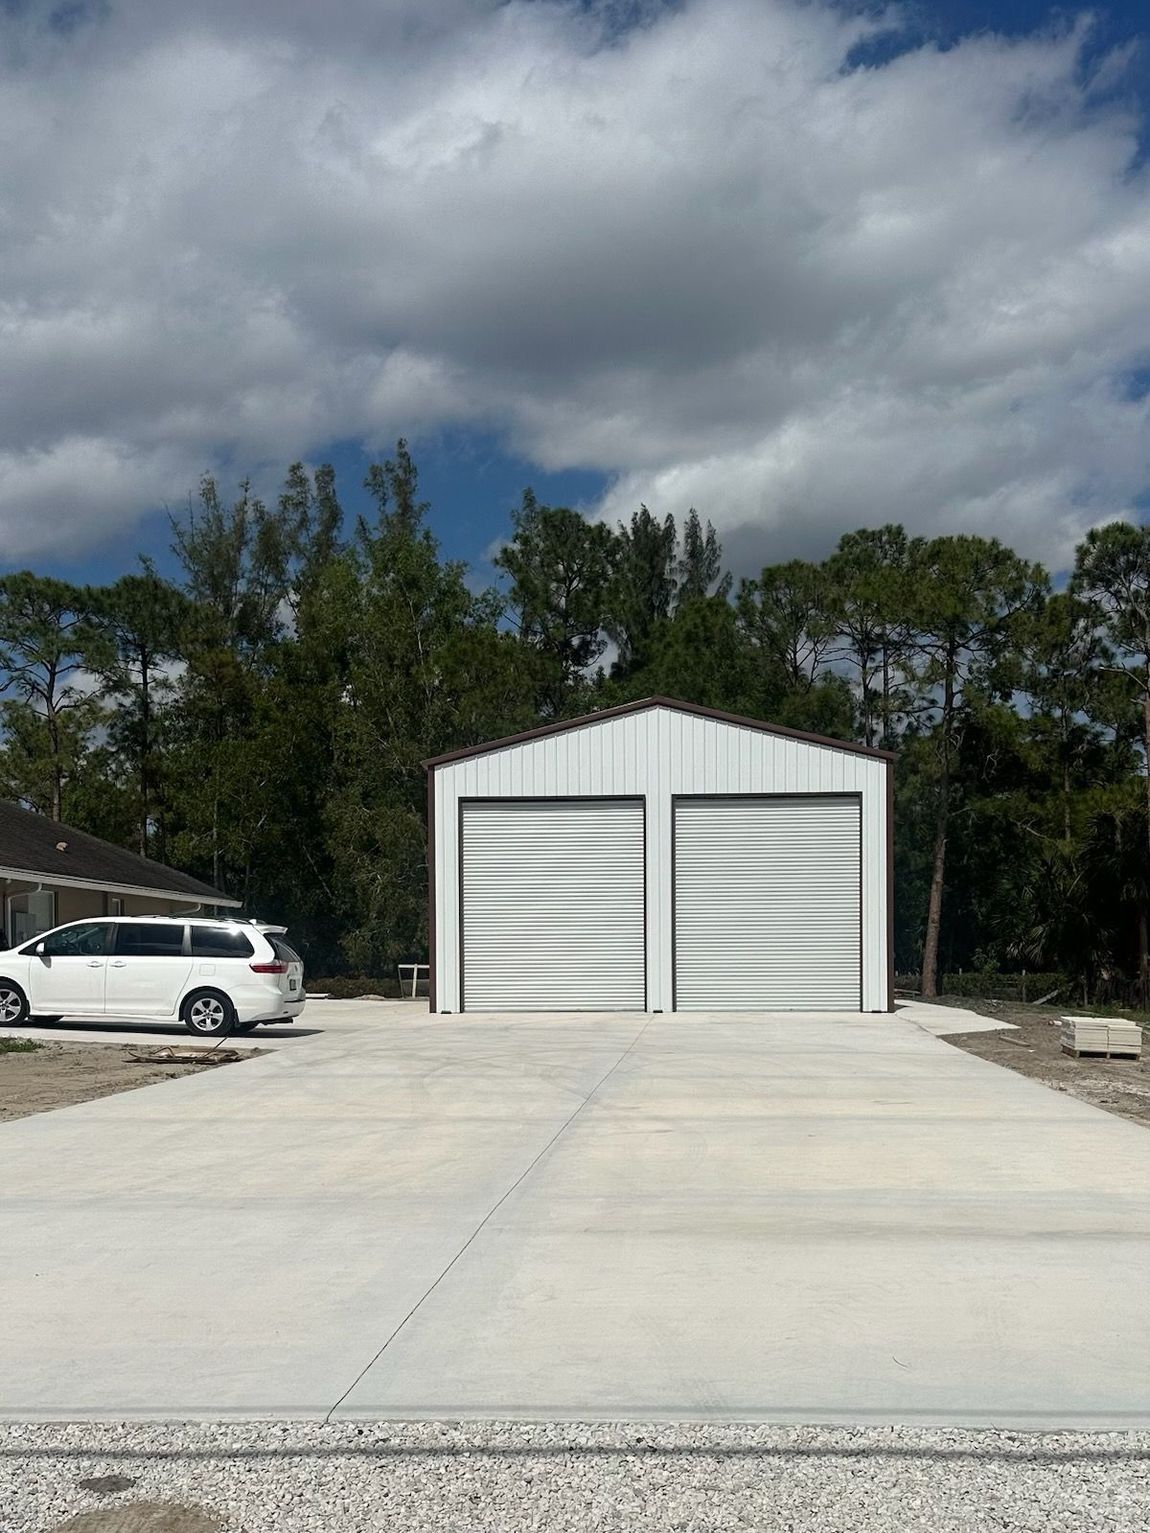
{"x": 1110, "y": 1036}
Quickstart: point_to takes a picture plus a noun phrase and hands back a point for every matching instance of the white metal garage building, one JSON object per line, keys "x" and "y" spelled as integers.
{"x": 659, "y": 857}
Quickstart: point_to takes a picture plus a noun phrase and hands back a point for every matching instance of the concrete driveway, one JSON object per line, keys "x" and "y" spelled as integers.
{"x": 756, "y": 1217}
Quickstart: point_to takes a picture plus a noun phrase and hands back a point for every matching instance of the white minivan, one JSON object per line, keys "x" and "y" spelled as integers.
{"x": 215, "y": 976}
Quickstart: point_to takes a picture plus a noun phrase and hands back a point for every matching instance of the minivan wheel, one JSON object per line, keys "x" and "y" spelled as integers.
{"x": 13, "y": 1004}
{"x": 208, "y": 1014}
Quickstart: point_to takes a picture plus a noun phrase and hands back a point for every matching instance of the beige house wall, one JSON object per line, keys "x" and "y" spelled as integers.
{"x": 82, "y": 904}
{"x": 79, "y": 904}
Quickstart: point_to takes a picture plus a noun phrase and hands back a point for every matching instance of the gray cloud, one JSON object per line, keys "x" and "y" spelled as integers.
{"x": 700, "y": 255}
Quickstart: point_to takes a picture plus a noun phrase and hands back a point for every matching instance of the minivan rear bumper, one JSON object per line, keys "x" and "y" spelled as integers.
{"x": 270, "y": 1009}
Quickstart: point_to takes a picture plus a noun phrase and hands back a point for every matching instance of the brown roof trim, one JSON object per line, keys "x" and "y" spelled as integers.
{"x": 677, "y": 706}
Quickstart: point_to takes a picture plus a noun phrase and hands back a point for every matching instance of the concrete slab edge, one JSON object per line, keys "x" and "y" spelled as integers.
{"x": 1036, "y": 1422}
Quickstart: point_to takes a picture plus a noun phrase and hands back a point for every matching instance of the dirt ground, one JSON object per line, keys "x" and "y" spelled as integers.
{"x": 59, "y": 1074}
{"x": 1119, "y": 1086}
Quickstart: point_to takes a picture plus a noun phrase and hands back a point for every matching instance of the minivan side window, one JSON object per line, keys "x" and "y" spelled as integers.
{"x": 87, "y": 941}
{"x": 141, "y": 939}
{"x": 218, "y": 942}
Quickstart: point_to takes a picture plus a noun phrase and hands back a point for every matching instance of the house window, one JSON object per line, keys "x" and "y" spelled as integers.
{"x": 30, "y": 914}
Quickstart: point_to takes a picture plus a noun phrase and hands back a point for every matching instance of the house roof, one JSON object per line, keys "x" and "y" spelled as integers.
{"x": 678, "y": 706}
{"x": 30, "y": 846}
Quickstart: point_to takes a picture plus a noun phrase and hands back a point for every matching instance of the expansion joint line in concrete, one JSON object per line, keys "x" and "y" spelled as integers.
{"x": 488, "y": 1216}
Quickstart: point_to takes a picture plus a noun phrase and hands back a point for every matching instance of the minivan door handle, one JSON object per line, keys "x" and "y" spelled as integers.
{"x": 95, "y": 963}
{"x": 117, "y": 963}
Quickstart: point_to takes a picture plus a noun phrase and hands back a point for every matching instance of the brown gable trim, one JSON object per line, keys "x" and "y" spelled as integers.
{"x": 677, "y": 706}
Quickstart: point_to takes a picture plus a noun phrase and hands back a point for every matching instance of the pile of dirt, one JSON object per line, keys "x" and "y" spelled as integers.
{"x": 60, "y": 1074}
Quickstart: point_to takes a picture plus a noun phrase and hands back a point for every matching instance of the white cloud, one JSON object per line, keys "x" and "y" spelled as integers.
{"x": 701, "y": 255}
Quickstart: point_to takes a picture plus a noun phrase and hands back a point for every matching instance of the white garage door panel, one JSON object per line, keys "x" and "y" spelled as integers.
{"x": 768, "y": 904}
{"x": 553, "y": 907}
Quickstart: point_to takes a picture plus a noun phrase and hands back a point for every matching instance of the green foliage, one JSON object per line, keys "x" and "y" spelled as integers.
{"x": 1112, "y": 576}
{"x": 868, "y": 599}
{"x": 560, "y": 567}
{"x": 699, "y": 568}
{"x": 427, "y": 668}
{"x": 788, "y": 621}
{"x": 697, "y": 656}
{"x": 263, "y": 720}
{"x": 19, "y": 1046}
{"x": 1112, "y": 572}
{"x": 142, "y": 618}
{"x": 641, "y": 595}
{"x": 237, "y": 564}
{"x": 968, "y": 602}
{"x": 48, "y": 643}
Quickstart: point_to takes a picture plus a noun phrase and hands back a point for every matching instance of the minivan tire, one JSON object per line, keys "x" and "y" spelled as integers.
{"x": 13, "y": 1004}
{"x": 208, "y": 1014}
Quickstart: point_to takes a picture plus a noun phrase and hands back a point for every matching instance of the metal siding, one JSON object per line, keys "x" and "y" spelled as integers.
{"x": 767, "y": 904}
{"x": 553, "y": 916}
{"x": 660, "y": 753}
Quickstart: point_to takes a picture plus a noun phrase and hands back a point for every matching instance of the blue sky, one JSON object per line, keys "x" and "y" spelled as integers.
{"x": 734, "y": 255}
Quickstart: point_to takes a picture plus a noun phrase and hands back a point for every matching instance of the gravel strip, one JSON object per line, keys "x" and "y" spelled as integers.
{"x": 293, "y": 1477}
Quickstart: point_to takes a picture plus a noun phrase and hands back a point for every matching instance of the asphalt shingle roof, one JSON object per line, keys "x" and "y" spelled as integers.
{"x": 29, "y": 843}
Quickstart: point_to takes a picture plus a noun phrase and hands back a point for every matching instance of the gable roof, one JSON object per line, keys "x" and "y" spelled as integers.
{"x": 29, "y": 847}
{"x": 677, "y": 706}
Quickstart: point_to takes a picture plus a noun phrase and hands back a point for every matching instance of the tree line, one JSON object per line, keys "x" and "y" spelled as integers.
{"x": 261, "y": 719}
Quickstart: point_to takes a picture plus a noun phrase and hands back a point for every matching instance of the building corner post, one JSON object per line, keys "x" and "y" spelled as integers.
{"x": 890, "y": 884}
{"x": 431, "y": 913}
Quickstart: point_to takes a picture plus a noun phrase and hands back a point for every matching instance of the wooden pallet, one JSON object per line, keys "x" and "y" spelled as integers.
{"x": 1134, "y": 1053}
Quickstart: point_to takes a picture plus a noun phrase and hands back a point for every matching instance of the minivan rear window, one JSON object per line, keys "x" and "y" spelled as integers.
{"x": 142, "y": 939}
{"x": 218, "y": 942}
{"x": 284, "y": 953}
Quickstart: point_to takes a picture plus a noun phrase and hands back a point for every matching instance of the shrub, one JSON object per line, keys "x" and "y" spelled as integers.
{"x": 346, "y": 987}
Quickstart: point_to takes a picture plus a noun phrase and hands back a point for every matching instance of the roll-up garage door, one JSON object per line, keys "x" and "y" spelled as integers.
{"x": 553, "y": 907}
{"x": 768, "y": 909}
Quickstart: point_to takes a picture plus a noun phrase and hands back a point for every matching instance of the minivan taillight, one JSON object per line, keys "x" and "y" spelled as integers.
{"x": 268, "y": 968}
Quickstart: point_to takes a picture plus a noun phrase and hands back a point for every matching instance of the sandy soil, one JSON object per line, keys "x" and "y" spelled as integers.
{"x": 1119, "y": 1086}
{"x": 59, "y": 1074}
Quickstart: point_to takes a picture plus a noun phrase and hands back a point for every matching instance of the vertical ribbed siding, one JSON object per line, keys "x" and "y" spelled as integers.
{"x": 659, "y": 854}
{"x": 659, "y": 753}
{"x": 767, "y": 904}
{"x": 553, "y": 914}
